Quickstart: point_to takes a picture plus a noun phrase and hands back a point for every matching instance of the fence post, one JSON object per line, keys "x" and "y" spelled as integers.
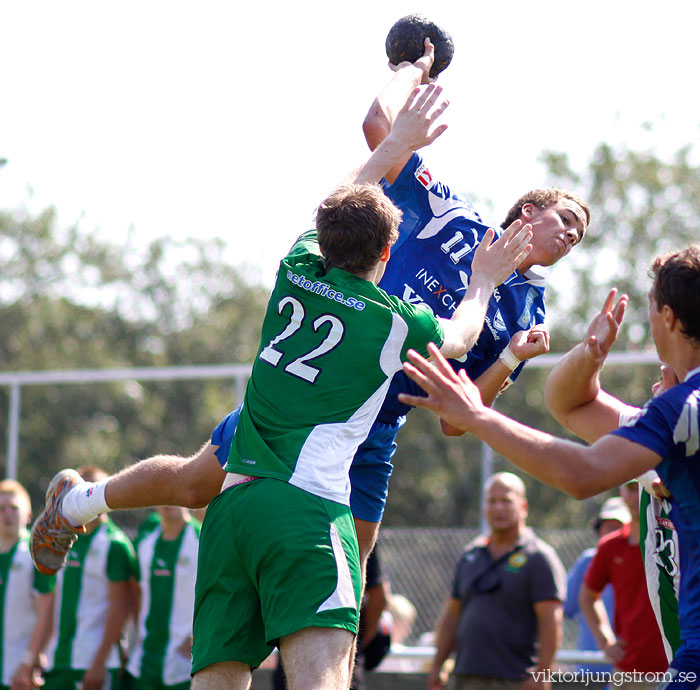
{"x": 13, "y": 431}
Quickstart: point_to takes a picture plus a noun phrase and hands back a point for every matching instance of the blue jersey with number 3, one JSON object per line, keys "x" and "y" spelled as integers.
{"x": 670, "y": 426}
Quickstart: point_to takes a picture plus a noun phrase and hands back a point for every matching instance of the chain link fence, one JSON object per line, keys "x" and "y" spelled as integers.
{"x": 419, "y": 563}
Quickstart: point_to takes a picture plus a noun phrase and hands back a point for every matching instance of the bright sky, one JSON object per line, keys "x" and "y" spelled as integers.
{"x": 235, "y": 119}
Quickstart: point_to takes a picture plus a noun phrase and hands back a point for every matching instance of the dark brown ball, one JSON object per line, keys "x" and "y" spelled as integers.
{"x": 404, "y": 43}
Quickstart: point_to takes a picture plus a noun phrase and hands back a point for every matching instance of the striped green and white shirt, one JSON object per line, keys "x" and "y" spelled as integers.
{"x": 659, "y": 543}
{"x": 20, "y": 584}
{"x": 167, "y": 574}
{"x": 82, "y": 602}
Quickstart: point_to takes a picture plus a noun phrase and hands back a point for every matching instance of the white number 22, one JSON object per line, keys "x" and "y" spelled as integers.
{"x": 298, "y": 367}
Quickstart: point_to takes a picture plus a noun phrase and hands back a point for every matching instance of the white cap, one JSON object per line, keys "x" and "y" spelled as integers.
{"x": 613, "y": 509}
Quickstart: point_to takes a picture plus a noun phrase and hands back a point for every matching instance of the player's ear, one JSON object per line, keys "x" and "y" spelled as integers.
{"x": 669, "y": 317}
{"x": 386, "y": 253}
{"x": 527, "y": 211}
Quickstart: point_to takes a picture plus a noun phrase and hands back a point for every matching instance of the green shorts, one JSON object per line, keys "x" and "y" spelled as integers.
{"x": 273, "y": 559}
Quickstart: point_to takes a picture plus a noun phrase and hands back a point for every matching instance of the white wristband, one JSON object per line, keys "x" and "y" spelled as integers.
{"x": 509, "y": 359}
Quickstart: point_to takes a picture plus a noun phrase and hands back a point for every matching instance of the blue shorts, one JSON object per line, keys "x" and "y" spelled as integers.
{"x": 223, "y": 435}
{"x": 369, "y": 473}
{"x": 685, "y": 668}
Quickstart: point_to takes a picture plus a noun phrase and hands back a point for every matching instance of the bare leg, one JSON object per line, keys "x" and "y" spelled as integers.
{"x": 366, "y": 539}
{"x": 167, "y": 480}
{"x": 227, "y": 675}
{"x": 161, "y": 480}
{"x": 318, "y": 658}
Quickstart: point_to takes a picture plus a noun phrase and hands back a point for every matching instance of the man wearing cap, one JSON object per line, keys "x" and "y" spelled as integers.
{"x": 613, "y": 514}
{"x": 633, "y": 642}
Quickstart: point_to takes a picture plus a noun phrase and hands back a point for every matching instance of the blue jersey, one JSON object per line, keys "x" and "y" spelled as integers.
{"x": 432, "y": 263}
{"x": 669, "y": 426}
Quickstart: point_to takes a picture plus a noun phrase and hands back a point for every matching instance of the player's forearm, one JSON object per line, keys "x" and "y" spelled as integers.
{"x": 573, "y": 382}
{"x": 112, "y": 633}
{"x": 376, "y": 602}
{"x": 119, "y": 607}
{"x": 463, "y": 328}
{"x": 387, "y": 154}
{"x": 492, "y": 380}
{"x": 563, "y": 464}
{"x": 549, "y": 636}
{"x": 596, "y": 617}
{"x": 43, "y": 628}
{"x": 445, "y": 639}
{"x": 388, "y": 103}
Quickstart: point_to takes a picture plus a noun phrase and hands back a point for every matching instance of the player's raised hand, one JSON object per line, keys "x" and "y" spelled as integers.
{"x": 454, "y": 398}
{"x": 530, "y": 343}
{"x": 415, "y": 126}
{"x": 603, "y": 329}
{"x": 424, "y": 62}
{"x": 496, "y": 260}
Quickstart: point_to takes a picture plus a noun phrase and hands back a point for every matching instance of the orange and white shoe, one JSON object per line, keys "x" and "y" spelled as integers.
{"x": 52, "y": 535}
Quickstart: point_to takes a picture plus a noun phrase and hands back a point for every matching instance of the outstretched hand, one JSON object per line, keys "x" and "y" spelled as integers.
{"x": 602, "y": 331}
{"x": 454, "y": 398}
{"x": 496, "y": 260}
{"x": 414, "y": 124}
{"x": 423, "y": 63}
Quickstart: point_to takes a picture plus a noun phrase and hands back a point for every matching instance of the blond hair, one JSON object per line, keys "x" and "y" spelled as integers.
{"x": 11, "y": 486}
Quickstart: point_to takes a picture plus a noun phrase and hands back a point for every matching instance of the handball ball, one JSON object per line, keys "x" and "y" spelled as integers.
{"x": 404, "y": 43}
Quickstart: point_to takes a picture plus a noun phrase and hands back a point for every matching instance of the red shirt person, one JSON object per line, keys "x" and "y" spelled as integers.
{"x": 633, "y": 643}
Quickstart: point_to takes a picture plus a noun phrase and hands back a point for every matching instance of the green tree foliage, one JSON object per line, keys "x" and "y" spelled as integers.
{"x": 71, "y": 301}
{"x": 641, "y": 206}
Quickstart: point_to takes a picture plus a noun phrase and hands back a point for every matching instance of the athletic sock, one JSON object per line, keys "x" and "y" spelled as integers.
{"x": 84, "y": 502}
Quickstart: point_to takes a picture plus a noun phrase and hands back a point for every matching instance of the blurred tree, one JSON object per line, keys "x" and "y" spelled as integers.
{"x": 641, "y": 206}
{"x": 69, "y": 300}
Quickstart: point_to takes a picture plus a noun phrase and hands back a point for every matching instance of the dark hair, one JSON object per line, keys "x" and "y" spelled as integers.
{"x": 355, "y": 223}
{"x": 544, "y": 198}
{"x": 677, "y": 284}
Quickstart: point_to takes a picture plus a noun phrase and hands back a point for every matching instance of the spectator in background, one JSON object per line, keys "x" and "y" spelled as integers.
{"x": 633, "y": 643}
{"x": 167, "y": 565}
{"x": 504, "y": 616}
{"x": 93, "y": 598}
{"x": 403, "y": 615}
{"x": 26, "y": 595}
{"x": 613, "y": 514}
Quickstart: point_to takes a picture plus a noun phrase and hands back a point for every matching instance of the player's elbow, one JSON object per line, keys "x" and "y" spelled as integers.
{"x": 195, "y": 496}
{"x": 553, "y": 404}
{"x": 580, "y": 487}
{"x": 375, "y": 127}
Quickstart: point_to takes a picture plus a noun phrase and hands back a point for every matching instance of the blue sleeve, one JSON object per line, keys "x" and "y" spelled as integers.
{"x": 573, "y": 585}
{"x": 651, "y": 429}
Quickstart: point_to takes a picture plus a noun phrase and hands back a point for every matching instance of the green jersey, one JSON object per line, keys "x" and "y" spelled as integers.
{"x": 330, "y": 344}
{"x": 20, "y": 584}
{"x": 82, "y": 601}
{"x": 659, "y": 542}
{"x": 167, "y": 573}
